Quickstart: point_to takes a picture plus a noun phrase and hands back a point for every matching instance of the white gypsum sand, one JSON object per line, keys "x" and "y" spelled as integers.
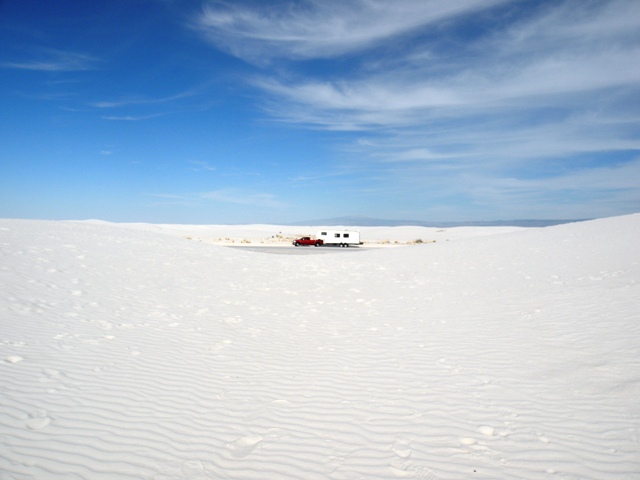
{"x": 270, "y": 235}
{"x": 130, "y": 352}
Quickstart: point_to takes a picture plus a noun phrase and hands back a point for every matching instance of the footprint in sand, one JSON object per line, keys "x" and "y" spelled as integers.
{"x": 244, "y": 446}
{"x": 486, "y": 430}
{"x": 402, "y": 448}
{"x": 192, "y": 468}
{"x": 104, "y": 324}
{"x": 13, "y": 359}
{"x": 232, "y": 320}
{"x": 220, "y": 345}
{"x": 50, "y": 374}
{"x": 37, "y": 423}
{"x": 402, "y": 452}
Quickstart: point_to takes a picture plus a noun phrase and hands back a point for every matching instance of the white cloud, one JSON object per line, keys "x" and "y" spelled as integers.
{"x": 600, "y": 191}
{"x": 553, "y": 84}
{"x": 130, "y": 118}
{"x": 201, "y": 166}
{"x": 575, "y": 22}
{"x": 236, "y": 196}
{"x": 502, "y": 76}
{"x": 139, "y": 100}
{"x": 54, "y": 60}
{"x": 548, "y": 88}
{"x": 321, "y": 28}
{"x": 625, "y": 176}
{"x": 169, "y": 196}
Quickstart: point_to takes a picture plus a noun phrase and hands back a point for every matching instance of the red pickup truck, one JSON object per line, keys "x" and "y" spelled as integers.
{"x": 308, "y": 241}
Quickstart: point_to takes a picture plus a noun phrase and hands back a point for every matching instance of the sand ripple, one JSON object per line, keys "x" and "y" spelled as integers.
{"x": 125, "y": 355}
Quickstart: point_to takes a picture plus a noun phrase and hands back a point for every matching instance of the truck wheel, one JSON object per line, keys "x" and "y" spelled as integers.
{"x": 297, "y": 244}
{"x": 317, "y": 244}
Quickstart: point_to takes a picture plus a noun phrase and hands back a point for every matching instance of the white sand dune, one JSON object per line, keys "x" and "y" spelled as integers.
{"x": 130, "y": 352}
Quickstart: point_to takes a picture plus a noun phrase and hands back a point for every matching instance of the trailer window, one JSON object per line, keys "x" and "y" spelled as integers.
{"x": 323, "y": 234}
{"x": 337, "y": 235}
{"x": 346, "y": 235}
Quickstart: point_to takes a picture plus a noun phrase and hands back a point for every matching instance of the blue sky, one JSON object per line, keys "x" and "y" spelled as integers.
{"x": 172, "y": 111}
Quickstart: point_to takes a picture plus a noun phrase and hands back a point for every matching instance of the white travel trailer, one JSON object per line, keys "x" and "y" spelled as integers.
{"x": 341, "y": 238}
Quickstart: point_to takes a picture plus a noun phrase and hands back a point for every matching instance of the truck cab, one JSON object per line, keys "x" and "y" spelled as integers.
{"x": 307, "y": 241}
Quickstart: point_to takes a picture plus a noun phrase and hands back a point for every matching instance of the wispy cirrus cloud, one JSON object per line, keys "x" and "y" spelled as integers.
{"x": 199, "y": 166}
{"x": 320, "y": 28}
{"x": 463, "y": 98}
{"x": 142, "y": 100}
{"x": 54, "y": 60}
{"x": 555, "y": 83}
{"x": 144, "y": 107}
{"x": 131, "y": 118}
{"x": 569, "y": 193}
{"x": 168, "y": 196}
{"x": 241, "y": 197}
{"x": 505, "y": 70}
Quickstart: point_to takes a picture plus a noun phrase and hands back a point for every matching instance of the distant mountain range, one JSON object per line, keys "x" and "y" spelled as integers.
{"x": 379, "y": 222}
